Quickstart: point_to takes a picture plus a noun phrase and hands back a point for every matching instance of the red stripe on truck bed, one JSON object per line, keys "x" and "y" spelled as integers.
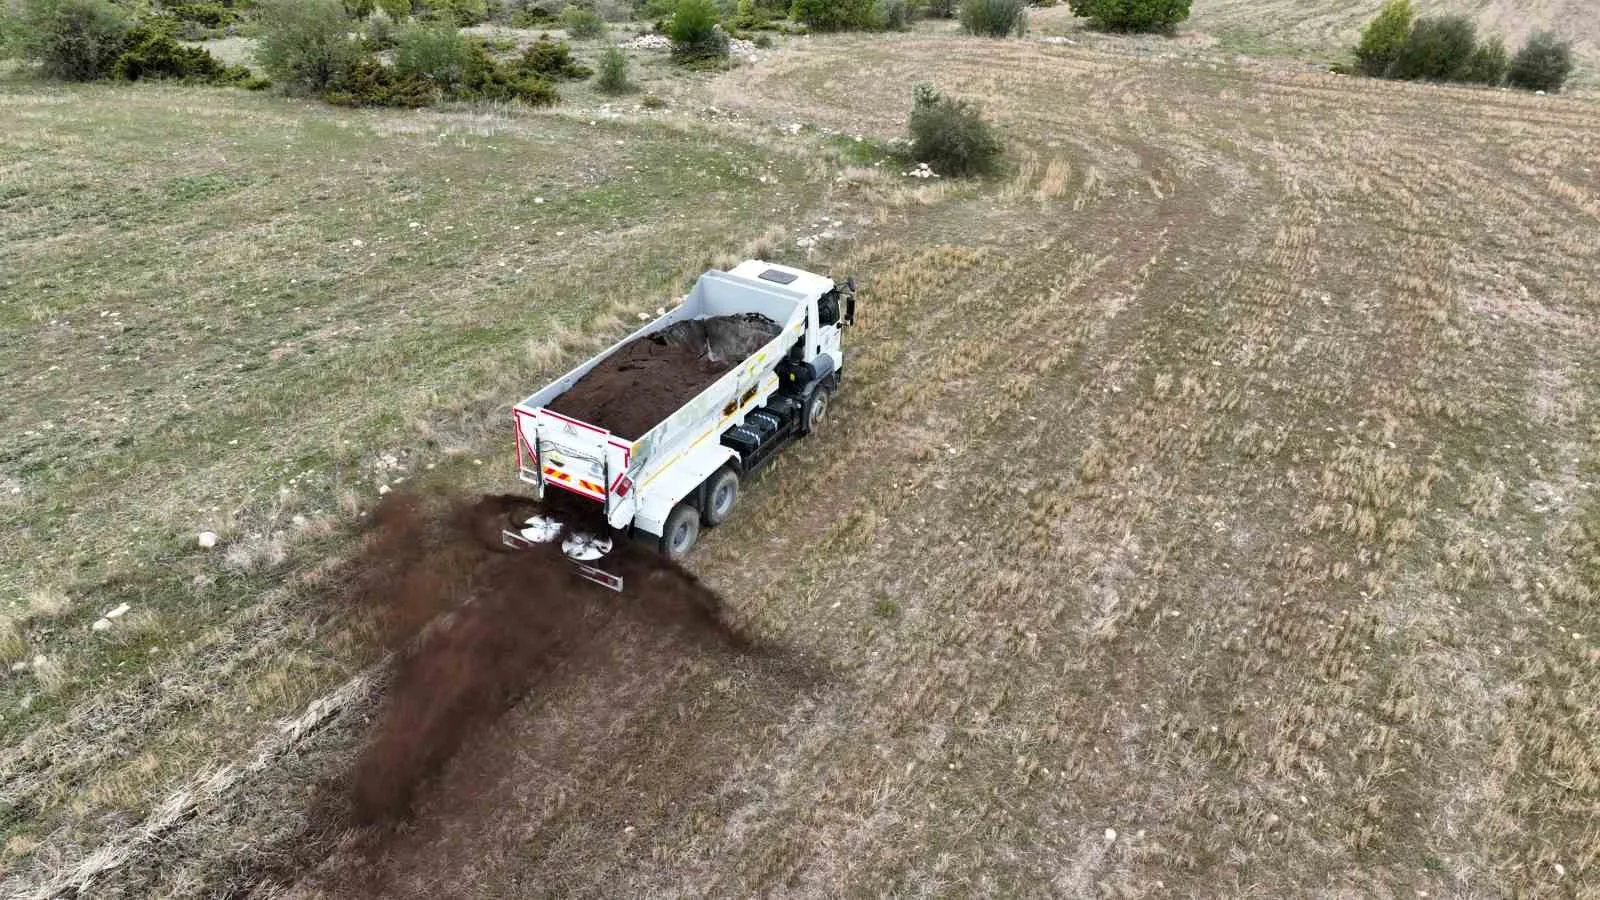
{"x": 546, "y": 412}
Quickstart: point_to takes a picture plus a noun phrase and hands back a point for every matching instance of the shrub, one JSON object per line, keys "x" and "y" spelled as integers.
{"x": 379, "y": 32}
{"x": 833, "y": 15}
{"x": 397, "y": 10}
{"x": 696, "y": 39}
{"x": 432, "y": 52}
{"x": 582, "y": 22}
{"x": 1131, "y": 15}
{"x": 486, "y": 79}
{"x": 950, "y": 135}
{"x": 1489, "y": 62}
{"x": 1542, "y": 64}
{"x": 613, "y": 72}
{"x": 206, "y": 15}
{"x": 763, "y": 41}
{"x": 892, "y": 15}
{"x": 651, "y": 101}
{"x": 552, "y": 60}
{"x": 461, "y": 12}
{"x": 305, "y": 45}
{"x": 154, "y": 54}
{"x": 1438, "y": 48}
{"x": 77, "y": 40}
{"x": 366, "y": 82}
{"x": 994, "y": 18}
{"x": 1383, "y": 37}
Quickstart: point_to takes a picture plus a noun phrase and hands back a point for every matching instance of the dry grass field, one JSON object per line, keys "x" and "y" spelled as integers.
{"x": 1208, "y": 509}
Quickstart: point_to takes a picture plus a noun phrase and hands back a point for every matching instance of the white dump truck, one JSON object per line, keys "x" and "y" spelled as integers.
{"x": 745, "y": 363}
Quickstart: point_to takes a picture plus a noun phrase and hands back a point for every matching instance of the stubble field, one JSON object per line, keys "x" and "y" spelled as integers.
{"x": 1207, "y": 509}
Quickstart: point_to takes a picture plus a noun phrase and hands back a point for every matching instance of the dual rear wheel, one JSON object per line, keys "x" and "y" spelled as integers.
{"x": 683, "y": 525}
{"x": 722, "y": 491}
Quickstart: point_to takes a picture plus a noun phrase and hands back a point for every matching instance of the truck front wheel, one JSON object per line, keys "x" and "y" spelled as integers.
{"x": 815, "y": 411}
{"x": 683, "y": 527}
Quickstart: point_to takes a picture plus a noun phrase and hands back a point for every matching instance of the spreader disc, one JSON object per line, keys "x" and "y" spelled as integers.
{"x": 540, "y": 529}
{"x": 585, "y": 546}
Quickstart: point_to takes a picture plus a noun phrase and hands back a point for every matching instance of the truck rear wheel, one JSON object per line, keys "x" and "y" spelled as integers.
{"x": 683, "y": 528}
{"x": 722, "y": 492}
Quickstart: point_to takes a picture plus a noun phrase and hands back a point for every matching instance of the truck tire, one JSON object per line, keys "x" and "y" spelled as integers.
{"x": 815, "y": 410}
{"x": 722, "y": 492}
{"x": 683, "y": 527}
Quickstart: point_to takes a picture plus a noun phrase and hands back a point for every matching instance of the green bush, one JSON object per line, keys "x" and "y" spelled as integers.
{"x": 613, "y": 72}
{"x": 461, "y": 12}
{"x": 696, "y": 39}
{"x": 379, "y": 32}
{"x": 1489, "y": 62}
{"x": 433, "y": 52}
{"x": 940, "y": 9}
{"x": 994, "y": 18}
{"x": 1542, "y": 64}
{"x": 305, "y": 46}
{"x": 582, "y": 22}
{"x": 366, "y": 82}
{"x": 154, "y": 54}
{"x": 1131, "y": 15}
{"x": 833, "y": 15}
{"x": 892, "y": 15}
{"x": 1383, "y": 37}
{"x": 1439, "y": 48}
{"x": 76, "y": 40}
{"x": 486, "y": 79}
{"x": 950, "y": 135}
{"x": 397, "y": 10}
{"x": 206, "y": 15}
{"x": 651, "y": 101}
{"x": 552, "y": 60}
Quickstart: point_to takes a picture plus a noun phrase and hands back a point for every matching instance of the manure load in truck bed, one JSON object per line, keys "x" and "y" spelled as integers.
{"x": 634, "y": 389}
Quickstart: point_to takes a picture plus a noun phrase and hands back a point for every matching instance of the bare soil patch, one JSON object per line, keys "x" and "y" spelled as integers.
{"x": 647, "y": 379}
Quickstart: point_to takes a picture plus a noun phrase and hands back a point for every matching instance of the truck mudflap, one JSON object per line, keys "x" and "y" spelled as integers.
{"x": 580, "y": 549}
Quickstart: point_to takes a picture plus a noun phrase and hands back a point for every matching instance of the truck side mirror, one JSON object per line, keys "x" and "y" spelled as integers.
{"x": 849, "y": 302}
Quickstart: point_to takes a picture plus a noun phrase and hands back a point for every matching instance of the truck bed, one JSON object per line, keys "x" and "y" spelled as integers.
{"x": 647, "y": 379}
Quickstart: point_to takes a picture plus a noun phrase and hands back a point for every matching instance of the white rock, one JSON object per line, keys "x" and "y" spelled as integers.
{"x": 357, "y": 242}
{"x": 1111, "y": 835}
{"x": 298, "y": 521}
{"x": 20, "y": 666}
{"x": 207, "y": 539}
{"x": 119, "y": 612}
{"x": 538, "y": 199}
{"x": 100, "y": 624}
{"x": 39, "y": 661}
{"x": 383, "y": 489}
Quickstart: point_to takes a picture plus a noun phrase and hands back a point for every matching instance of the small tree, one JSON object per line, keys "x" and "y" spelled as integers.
{"x": 833, "y": 15}
{"x": 1438, "y": 48}
{"x": 1542, "y": 64}
{"x": 398, "y": 10}
{"x": 1489, "y": 62}
{"x": 994, "y": 18}
{"x": 950, "y": 135}
{"x": 891, "y": 15}
{"x": 1383, "y": 37}
{"x": 613, "y": 72}
{"x": 76, "y": 40}
{"x": 582, "y": 22}
{"x": 305, "y": 44}
{"x": 1131, "y": 15}
{"x": 940, "y": 9}
{"x": 433, "y": 52}
{"x": 696, "y": 39}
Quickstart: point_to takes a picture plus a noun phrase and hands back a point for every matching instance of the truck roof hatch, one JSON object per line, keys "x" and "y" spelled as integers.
{"x": 778, "y": 276}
